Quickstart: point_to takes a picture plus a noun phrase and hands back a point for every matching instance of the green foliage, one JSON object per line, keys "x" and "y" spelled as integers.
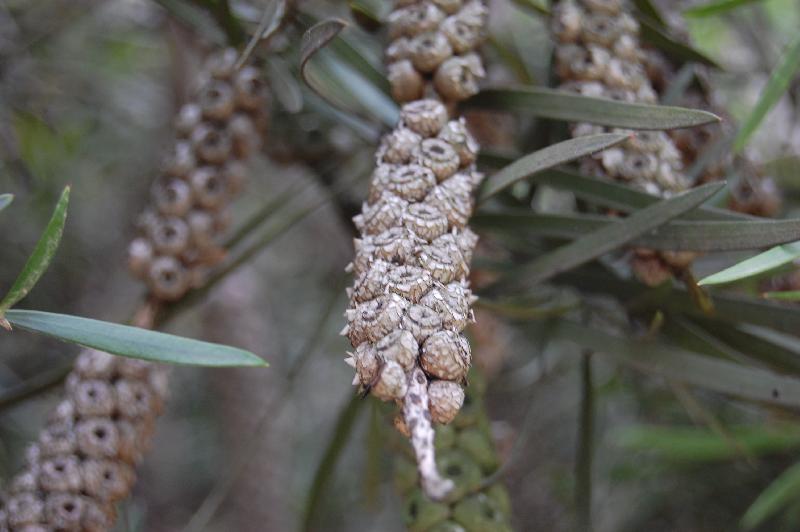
{"x": 717, "y": 7}
{"x": 131, "y": 342}
{"x": 761, "y": 264}
{"x": 40, "y": 257}
{"x": 782, "y": 492}
{"x": 5, "y": 200}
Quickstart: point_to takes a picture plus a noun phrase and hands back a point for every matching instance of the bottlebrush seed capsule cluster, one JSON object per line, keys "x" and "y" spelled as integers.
{"x": 83, "y": 462}
{"x": 216, "y": 133}
{"x": 598, "y": 54}
{"x": 433, "y": 48}
{"x": 465, "y": 452}
{"x": 411, "y": 301}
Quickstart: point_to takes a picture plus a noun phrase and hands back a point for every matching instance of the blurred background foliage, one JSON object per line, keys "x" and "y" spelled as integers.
{"x": 87, "y": 92}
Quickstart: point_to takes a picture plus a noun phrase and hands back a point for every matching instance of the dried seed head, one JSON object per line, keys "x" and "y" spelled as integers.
{"x": 448, "y": 6}
{"x": 371, "y": 284}
{"x": 244, "y": 133}
{"x": 24, "y": 509}
{"x": 216, "y": 100}
{"x": 189, "y": 117}
{"x": 374, "y": 319}
{"x": 61, "y": 473}
{"x": 439, "y": 156}
{"x": 426, "y": 117}
{"x": 57, "y": 439}
{"x": 167, "y": 278}
{"x": 411, "y": 182}
{"x": 451, "y": 304}
{"x": 234, "y": 174}
{"x": 405, "y": 81}
{"x": 134, "y": 398}
{"x": 222, "y": 65}
{"x": 382, "y": 215}
{"x": 97, "y": 437}
{"x": 446, "y": 355}
{"x": 170, "y": 236}
{"x": 106, "y": 480}
{"x": 213, "y": 145}
{"x": 391, "y": 384}
{"x": 410, "y": 282}
{"x": 413, "y": 20}
{"x": 463, "y": 37}
{"x": 397, "y": 146}
{"x": 208, "y": 187}
{"x": 64, "y": 510}
{"x": 421, "y": 321}
{"x": 201, "y": 228}
{"x": 456, "y": 135}
{"x": 429, "y": 50}
{"x": 457, "y": 78}
{"x": 567, "y": 21}
{"x": 249, "y": 88}
{"x": 398, "y": 50}
{"x": 398, "y": 346}
{"x": 140, "y": 253}
{"x": 397, "y": 245}
{"x": 172, "y": 197}
{"x": 93, "y": 398}
{"x": 453, "y": 200}
{"x": 367, "y": 363}
{"x": 425, "y": 220}
{"x": 446, "y": 398}
{"x": 444, "y": 263}
{"x": 600, "y": 29}
{"x": 181, "y": 160}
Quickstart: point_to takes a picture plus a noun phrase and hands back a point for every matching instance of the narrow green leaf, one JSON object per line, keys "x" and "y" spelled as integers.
{"x": 783, "y": 491}
{"x": 5, "y": 200}
{"x": 534, "y": 6}
{"x": 752, "y": 384}
{"x": 716, "y": 7}
{"x": 131, "y": 342}
{"x": 314, "y": 39}
{"x": 548, "y": 157}
{"x": 271, "y": 20}
{"x": 607, "y": 238}
{"x": 677, "y": 235}
{"x": 779, "y": 81}
{"x": 40, "y": 258}
{"x": 760, "y": 264}
{"x": 648, "y": 9}
{"x": 562, "y": 105}
{"x": 674, "y": 49}
{"x": 788, "y": 295}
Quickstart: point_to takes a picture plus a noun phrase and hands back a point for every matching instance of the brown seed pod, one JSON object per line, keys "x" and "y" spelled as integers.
{"x": 189, "y": 117}
{"x": 391, "y": 383}
{"x": 376, "y": 318}
{"x": 208, "y": 187}
{"x": 446, "y": 355}
{"x": 456, "y": 135}
{"x": 172, "y": 197}
{"x": 381, "y": 215}
{"x": 451, "y": 303}
{"x": 453, "y": 201}
{"x": 249, "y": 89}
{"x": 106, "y": 480}
{"x": 24, "y": 509}
{"x": 414, "y": 19}
{"x": 457, "y": 78}
{"x": 170, "y": 236}
{"x": 140, "y": 254}
{"x": 371, "y": 284}
{"x": 167, "y": 278}
{"x": 201, "y": 228}
{"x": 426, "y": 117}
{"x": 448, "y": 6}
{"x": 212, "y": 145}
{"x": 217, "y": 101}
{"x": 234, "y": 174}
{"x": 181, "y": 160}
{"x": 411, "y": 182}
{"x": 397, "y": 146}
{"x": 97, "y": 437}
{"x": 244, "y": 133}
{"x": 439, "y": 156}
{"x": 444, "y": 263}
{"x": 398, "y": 50}
{"x": 57, "y": 439}
{"x": 463, "y": 37}
{"x": 600, "y": 29}
{"x": 64, "y": 510}
{"x": 410, "y": 282}
{"x": 406, "y": 82}
{"x": 222, "y": 65}
{"x": 446, "y": 398}
{"x": 567, "y": 20}
{"x": 398, "y": 346}
{"x": 422, "y": 322}
{"x": 93, "y": 398}
{"x": 61, "y": 473}
{"x": 429, "y": 50}
{"x": 424, "y": 220}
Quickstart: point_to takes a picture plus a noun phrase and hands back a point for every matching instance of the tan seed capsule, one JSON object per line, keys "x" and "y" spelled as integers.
{"x": 377, "y": 184}
{"x": 446, "y": 398}
{"x": 132, "y": 442}
{"x": 638, "y": 166}
{"x": 189, "y": 117}
{"x": 466, "y": 240}
{"x": 395, "y": 245}
{"x": 93, "y": 398}
{"x": 462, "y": 36}
{"x": 25, "y": 481}
{"x": 208, "y": 187}
{"x": 234, "y": 174}
{"x": 405, "y": 81}
{"x": 211, "y": 144}
{"x": 243, "y": 131}
{"x": 64, "y": 412}
{"x": 567, "y": 22}
{"x": 170, "y": 236}
{"x": 397, "y": 146}
{"x": 201, "y": 229}
{"x": 132, "y": 368}
{"x": 61, "y": 473}
{"x": 474, "y": 13}
{"x": 413, "y": 20}
{"x": 426, "y": 117}
{"x": 222, "y": 64}
{"x": 448, "y": 6}
{"x": 367, "y": 363}
{"x": 372, "y": 283}
{"x": 140, "y": 253}
{"x": 24, "y": 509}
{"x": 375, "y": 319}
{"x": 452, "y": 305}
{"x": 97, "y": 437}
{"x": 439, "y": 156}
{"x": 445, "y": 264}
{"x": 106, "y": 480}
{"x": 457, "y": 78}
{"x": 384, "y": 214}
{"x": 398, "y": 50}
{"x": 600, "y": 29}
{"x": 249, "y": 87}
{"x": 456, "y": 135}
{"x": 398, "y": 346}
{"x": 217, "y": 100}
{"x": 451, "y": 201}
{"x": 421, "y": 321}
{"x": 410, "y": 282}
{"x": 172, "y": 197}
{"x": 167, "y": 278}
{"x": 624, "y": 75}
{"x": 181, "y": 160}
{"x": 610, "y": 7}
{"x": 64, "y": 511}
{"x": 411, "y": 182}
{"x": 96, "y": 517}
{"x": 426, "y": 221}
{"x": 134, "y": 398}
{"x": 429, "y": 50}
{"x": 446, "y": 355}
{"x": 57, "y": 439}
{"x": 391, "y": 384}
{"x": 651, "y": 271}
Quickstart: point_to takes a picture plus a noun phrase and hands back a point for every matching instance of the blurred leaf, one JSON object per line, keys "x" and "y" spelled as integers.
{"x": 648, "y": 9}
{"x": 271, "y": 20}
{"x": 783, "y": 491}
{"x": 368, "y": 13}
{"x": 5, "y": 200}
{"x": 562, "y": 105}
{"x": 672, "y": 48}
{"x": 196, "y": 18}
{"x": 315, "y": 39}
{"x": 349, "y": 52}
{"x": 610, "y": 237}
{"x": 698, "y": 445}
{"x": 678, "y": 85}
{"x": 717, "y": 7}
{"x": 548, "y": 157}
{"x": 760, "y": 264}
{"x": 40, "y": 258}
{"x": 131, "y": 342}
{"x": 788, "y": 295}
{"x": 676, "y": 235}
{"x": 283, "y": 85}
{"x": 779, "y": 81}
{"x": 749, "y": 383}
{"x": 533, "y": 5}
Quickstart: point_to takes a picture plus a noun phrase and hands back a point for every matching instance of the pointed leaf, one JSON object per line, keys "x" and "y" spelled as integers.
{"x": 779, "y": 81}
{"x": 753, "y": 384}
{"x": 314, "y": 39}
{"x": 571, "y": 107}
{"x": 5, "y": 200}
{"x": 676, "y": 236}
{"x": 674, "y": 49}
{"x": 760, "y": 264}
{"x": 548, "y": 157}
{"x": 42, "y": 255}
{"x": 650, "y": 10}
{"x": 131, "y": 342}
{"x": 788, "y": 295}
{"x": 716, "y": 7}
{"x": 783, "y": 491}
{"x": 603, "y": 240}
